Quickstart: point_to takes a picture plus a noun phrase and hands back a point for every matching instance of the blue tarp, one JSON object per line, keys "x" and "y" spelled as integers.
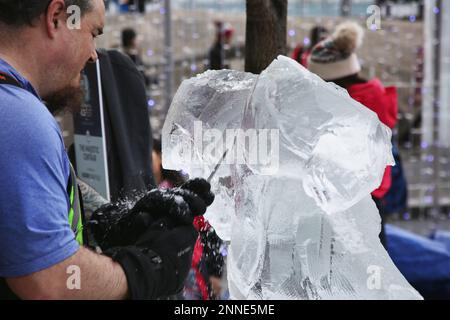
{"x": 424, "y": 262}
{"x": 442, "y": 237}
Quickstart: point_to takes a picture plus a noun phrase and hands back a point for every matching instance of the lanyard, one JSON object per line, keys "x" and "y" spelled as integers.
{"x": 7, "y": 79}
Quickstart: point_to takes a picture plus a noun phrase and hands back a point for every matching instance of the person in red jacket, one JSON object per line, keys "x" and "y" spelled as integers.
{"x": 334, "y": 59}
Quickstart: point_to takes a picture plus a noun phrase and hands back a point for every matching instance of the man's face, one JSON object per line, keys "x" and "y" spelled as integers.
{"x": 76, "y": 47}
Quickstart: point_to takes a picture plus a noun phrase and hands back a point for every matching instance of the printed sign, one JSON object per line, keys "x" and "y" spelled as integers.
{"x": 90, "y": 141}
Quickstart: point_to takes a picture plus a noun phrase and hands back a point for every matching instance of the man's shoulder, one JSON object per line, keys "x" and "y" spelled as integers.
{"x": 17, "y": 100}
{"x": 23, "y": 113}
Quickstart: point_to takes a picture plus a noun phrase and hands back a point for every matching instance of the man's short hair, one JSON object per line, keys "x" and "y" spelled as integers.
{"x": 20, "y": 13}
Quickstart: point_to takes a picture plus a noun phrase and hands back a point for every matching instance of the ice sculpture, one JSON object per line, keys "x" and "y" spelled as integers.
{"x": 293, "y": 161}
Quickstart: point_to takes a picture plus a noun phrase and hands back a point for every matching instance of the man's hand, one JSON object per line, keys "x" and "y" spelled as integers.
{"x": 201, "y": 188}
{"x": 157, "y": 266}
{"x": 113, "y": 225}
{"x": 154, "y": 241}
{"x": 177, "y": 206}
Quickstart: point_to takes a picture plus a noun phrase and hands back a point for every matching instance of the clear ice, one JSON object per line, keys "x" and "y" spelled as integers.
{"x": 297, "y": 211}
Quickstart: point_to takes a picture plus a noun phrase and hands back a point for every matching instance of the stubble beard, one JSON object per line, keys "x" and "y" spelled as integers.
{"x": 69, "y": 98}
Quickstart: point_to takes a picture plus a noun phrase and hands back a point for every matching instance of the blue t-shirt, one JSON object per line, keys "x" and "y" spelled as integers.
{"x": 34, "y": 171}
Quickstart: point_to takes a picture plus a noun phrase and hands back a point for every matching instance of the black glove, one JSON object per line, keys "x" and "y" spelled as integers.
{"x": 212, "y": 257}
{"x": 158, "y": 205}
{"x": 157, "y": 266}
{"x": 110, "y": 226}
{"x": 201, "y": 188}
{"x": 175, "y": 206}
{"x": 114, "y": 225}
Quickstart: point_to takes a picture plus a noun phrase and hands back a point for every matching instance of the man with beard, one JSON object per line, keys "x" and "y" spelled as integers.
{"x": 147, "y": 252}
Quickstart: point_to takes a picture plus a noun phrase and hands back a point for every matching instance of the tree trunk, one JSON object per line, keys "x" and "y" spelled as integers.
{"x": 266, "y": 33}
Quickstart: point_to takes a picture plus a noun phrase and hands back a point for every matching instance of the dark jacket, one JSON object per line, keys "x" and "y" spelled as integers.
{"x": 127, "y": 125}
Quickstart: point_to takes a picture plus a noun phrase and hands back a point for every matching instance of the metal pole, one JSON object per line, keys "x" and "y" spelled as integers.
{"x": 429, "y": 72}
{"x": 436, "y": 112}
{"x": 444, "y": 83}
{"x": 345, "y": 8}
{"x": 431, "y": 98}
{"x": 168, "y": 53}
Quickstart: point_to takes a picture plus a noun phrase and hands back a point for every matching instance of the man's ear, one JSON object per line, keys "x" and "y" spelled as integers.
{"x": 55, "y": 17}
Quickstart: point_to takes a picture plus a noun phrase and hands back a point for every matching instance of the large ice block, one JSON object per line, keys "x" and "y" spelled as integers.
{"x": 298, "y": 159}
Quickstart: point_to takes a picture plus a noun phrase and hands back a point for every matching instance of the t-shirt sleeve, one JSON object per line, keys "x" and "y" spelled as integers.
{"x": 34, "y": 230}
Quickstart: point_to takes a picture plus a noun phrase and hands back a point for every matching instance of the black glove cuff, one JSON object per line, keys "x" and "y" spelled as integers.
{"x": 149, "y": 275}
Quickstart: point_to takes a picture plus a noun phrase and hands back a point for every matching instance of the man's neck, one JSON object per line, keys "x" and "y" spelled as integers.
{"x": 24, "y": 63}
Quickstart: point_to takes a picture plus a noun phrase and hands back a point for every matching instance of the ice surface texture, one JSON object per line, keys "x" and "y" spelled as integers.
{"x": 298, "y": 212}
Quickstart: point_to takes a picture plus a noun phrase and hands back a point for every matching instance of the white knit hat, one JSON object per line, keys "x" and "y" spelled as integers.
{"x": 335, "y": 57}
